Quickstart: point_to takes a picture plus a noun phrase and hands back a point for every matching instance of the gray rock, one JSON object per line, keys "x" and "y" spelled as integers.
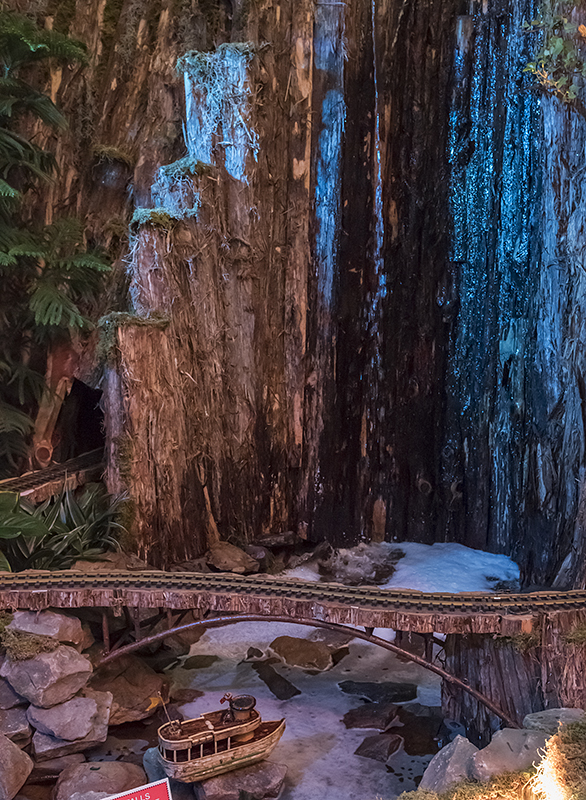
{"x": 14, "y": 725}
{"x": 151, "y": 764}
{"x": 49, "y": 747}
{"x": 48, "y": 623}
{"x": 48, "y": 678}
{"x": 8, "y": 697}
{"x": 279, "y": 686}
{"x": 103, "y": 778}
{"x": 549, "y": 720}
{"x": 257, "y": 782}
{"x": 55, "y": 766}
{"x": 15, "y": 767}
{"x": 379, "y": 747}
{"x": 384, "y": 692}
{"x": 452, "y": 764}
{"x": 132, "y": 683}
{"x": 71, "y": 720}
{"x": 509, "y": 751}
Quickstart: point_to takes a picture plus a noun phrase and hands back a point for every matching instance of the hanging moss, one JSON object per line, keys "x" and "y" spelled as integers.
{"x": 159, "y": 217}
{"x": 521, "y": 642}
{"x": 108, "y": 152}
{"x": 108, "y": 326}
{"x": 186, "y": 166}
{"x": 576, "y": 636}
{"x": 202, "y": 66}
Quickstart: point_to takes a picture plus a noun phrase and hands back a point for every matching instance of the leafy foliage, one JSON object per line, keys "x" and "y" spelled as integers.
{"x": 47, "y": 275}
{"x": 60, "y": 531}
{"x": 559, "y": 65}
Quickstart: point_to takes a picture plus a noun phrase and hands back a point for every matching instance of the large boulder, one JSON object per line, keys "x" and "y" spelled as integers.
{"x": 48, "y": 623}
{"x": 15, "y": 767}
{"x": 510, "y": 750}
{"x": 14, "y": 725}
{"x": 97, "y": 780}
{"x": 47, "y": 746}
{"x": 452, "y": 764}
{"x": 549, "y": 720}
{"x": 133, "y": 685}
{"x": 8, "y": 697}
{"x": 70, "y": 720}
{"x": 48, "y": 678}
{"x": 260, "y": 781}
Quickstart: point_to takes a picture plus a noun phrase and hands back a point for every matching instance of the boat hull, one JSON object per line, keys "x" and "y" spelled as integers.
{"x": 243, "y": 755}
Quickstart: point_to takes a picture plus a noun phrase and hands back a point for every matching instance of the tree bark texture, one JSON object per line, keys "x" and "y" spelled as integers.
{"x": 373, "y": 331}
{"x": 523, "y": 673}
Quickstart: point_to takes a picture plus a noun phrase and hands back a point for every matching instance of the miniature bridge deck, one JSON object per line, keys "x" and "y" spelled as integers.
{"x": 365, "y": 606}
{"x": 41, "y": 484}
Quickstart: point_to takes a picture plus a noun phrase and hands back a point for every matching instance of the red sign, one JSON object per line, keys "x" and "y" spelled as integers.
{"x": 159, "y": 790}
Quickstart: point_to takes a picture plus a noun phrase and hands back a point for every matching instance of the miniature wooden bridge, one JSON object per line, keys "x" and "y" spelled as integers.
{"x": 216, "y": 593}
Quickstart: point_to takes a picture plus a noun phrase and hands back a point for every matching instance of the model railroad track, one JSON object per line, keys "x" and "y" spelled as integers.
{"x": 263, "y": 594}
{"x": 43, "y": 483}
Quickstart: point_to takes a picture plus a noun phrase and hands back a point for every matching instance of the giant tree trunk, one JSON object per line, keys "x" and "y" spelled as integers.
{"x": 372, "y": 329}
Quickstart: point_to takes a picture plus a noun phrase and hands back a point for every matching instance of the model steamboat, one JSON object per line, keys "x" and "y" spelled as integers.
{"x": 216, "y": 742}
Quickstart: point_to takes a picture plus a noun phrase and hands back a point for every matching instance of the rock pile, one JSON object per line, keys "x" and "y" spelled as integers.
{"x": 45, "y": 698}
{"x": 510, "y": 751}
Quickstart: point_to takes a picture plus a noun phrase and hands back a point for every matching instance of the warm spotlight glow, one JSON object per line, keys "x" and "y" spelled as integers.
{"x": 547, "y": 782}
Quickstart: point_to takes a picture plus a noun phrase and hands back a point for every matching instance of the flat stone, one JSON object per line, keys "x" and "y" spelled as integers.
{"x": 48, "y": 623}
{"x": 260, "y": 781}
{"x": 386, "y": 692}
{"x": 379, "y": 747}
{"x": 420, "y": 731}
{"x": 200, "y": 661}
{"x": 229, "y": 558}
{"x": 14, "y": 725}
{"x": 49, "y": 747}
{"x": 132, "y": 683}
{"x": 302, "y": 653}
{"x": 48, "y": 678}
{"x": 510, "y": 750}
{"x": 8, "y": 697}
{"x": 550, "y": 719}
{"x": 452, "y": 764}
{"x": 184, "y": 695}
{"x": 102, "y": 778}
{"x": 371, "y": 715}
{"x": 112, "y": 562}
{"x": 55, "y": 766}
{"x": 15, "y": 767}
{"x": 70, "y": 720}
{"x": 279, "y": 686}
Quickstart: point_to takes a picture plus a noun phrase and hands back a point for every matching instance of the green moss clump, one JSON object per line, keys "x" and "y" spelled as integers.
{"x": 508, "y": 786}
{"x": 20, "y": 646}
{"x": 107, "y": 152}
{"x": 5, "y": 620}
{"x": 159, "y": 217}
{"x": 576, "y": 636}
{"x": 185, "y": 167}
{"x": 521, "y": 642}
{"x": 108, "y": 326}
